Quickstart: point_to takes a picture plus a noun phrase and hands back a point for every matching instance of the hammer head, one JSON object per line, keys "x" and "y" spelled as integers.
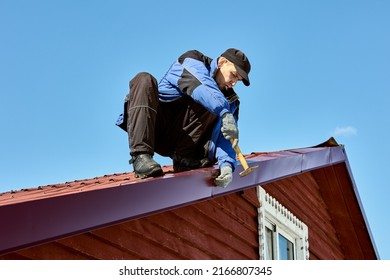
{"x": 247, "y": 171}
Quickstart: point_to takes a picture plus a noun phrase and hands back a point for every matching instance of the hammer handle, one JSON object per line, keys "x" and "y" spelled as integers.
{"x": 240, "y": 156}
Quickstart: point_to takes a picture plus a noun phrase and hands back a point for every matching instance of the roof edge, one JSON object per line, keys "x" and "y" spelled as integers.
{"x": 356, "y": 192}
{"x": 33, "y": 222}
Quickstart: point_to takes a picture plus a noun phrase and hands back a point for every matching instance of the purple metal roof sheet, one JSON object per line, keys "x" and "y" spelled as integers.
{"x": 71, "y": 208}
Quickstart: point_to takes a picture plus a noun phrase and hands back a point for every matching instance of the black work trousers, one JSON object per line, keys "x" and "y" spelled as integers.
{"x": 178, "y": 129}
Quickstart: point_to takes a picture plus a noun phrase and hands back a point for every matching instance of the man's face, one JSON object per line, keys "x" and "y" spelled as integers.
{"x": 226, "y": 76}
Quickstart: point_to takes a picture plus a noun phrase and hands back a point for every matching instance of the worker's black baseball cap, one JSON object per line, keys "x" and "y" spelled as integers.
{"x": 240, "y": 61}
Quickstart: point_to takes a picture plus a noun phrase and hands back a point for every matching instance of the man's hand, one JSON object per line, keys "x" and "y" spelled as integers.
{"x": 225, "y": 177}
{"x": 229, "y": 128}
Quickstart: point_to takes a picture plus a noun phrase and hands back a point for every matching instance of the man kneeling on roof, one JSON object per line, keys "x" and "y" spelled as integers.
{"x": 190, "y": 115}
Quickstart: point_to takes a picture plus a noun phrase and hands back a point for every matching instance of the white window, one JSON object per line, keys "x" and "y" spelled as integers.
{"x": 282, "y": 235}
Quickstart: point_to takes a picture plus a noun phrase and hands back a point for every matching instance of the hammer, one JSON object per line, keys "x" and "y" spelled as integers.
{"x": 244, "y": 164}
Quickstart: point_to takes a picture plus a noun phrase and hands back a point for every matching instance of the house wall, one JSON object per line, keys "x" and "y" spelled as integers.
{"x": 221, "y": 228}
{"x": 326, "y": 201}
{"x": 302, "y": 195}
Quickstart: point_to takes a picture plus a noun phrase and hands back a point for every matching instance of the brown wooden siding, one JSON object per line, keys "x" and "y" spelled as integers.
{"x": 221, "y": 228}
{"x": 346, "y": 214}
{"x": 302, "y": 196}
{"x": 312, "y": 204}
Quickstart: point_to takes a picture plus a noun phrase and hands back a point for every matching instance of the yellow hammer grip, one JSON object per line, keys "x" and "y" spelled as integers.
{"x": 240, "y": 156}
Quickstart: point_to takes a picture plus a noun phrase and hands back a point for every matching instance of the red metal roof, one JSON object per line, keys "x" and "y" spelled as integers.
{"x": 46, "y": 213}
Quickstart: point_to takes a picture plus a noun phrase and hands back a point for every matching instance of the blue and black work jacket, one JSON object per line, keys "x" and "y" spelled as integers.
{"x": 193, "y": 75}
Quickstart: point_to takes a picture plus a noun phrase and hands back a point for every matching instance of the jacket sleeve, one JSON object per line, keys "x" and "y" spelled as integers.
{"x": 225, "y": 154}
{"x": 207, "y": 92}
{"x": 221, "y": 149}
{"x": 195, "y": 81}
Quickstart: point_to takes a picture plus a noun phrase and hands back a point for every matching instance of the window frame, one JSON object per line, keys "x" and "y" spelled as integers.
{"x": 284, "y": 223}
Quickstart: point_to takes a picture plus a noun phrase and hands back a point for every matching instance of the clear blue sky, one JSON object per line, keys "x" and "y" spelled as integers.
{"x": 319, "y": 69}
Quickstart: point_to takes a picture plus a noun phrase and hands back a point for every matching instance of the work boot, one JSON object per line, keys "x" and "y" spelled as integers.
{"x": 181, "y": 164}
{"x": 145, "y": 166}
